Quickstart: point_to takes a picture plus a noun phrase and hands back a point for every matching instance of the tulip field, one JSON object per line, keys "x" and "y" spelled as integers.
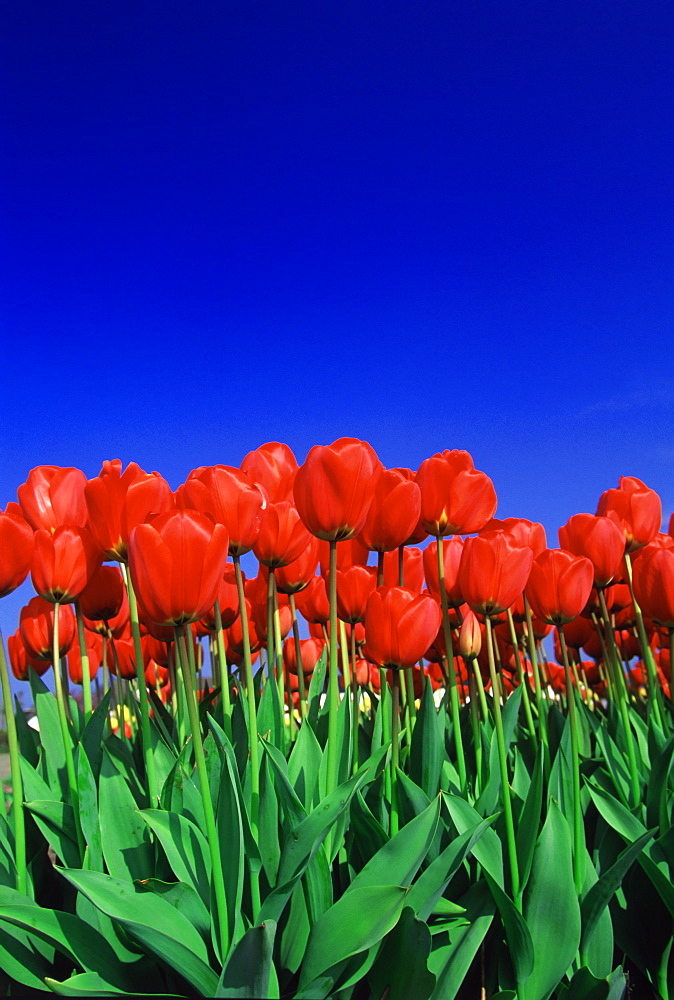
{"x": 334, "y": 730}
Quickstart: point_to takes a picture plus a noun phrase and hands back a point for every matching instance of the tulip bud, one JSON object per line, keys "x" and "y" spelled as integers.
{"x": 470, "y": 637}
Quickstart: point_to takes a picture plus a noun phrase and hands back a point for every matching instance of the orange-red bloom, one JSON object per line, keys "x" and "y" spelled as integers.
{"x": 333, "y": 489}
{"x": 653, "y": 582}
{"x": 117, "y": 501}
{"x": 176, "y": 563}
{"x": 598, "y": 538}
{"x": 394, "y": 512}
{"x": 354, "y": 586}
{"x": 283, "y": 537}
{"x": 64, "y": 561}
{"x": 16, "y": 549}
{"x": 493, "y": 571}
{"x": 53, "y": 496}
{"x": 636, "y": 510}
{"x": 559, "y": 585}
{"x": 399, "y": 626}
{"x": 310, "y": 653}
{"x": 452, "y": 550}
{"x": 36, "y": 623}
{"x": 313, "y": 602}
{"x": 456, "y": 499}
{"x": 272, "y": 467}
{"x": 19, "y": 659}
{"x": 230, "y": 498}
{"x": 298, "y": 574}
{"x": 104, "y": 595}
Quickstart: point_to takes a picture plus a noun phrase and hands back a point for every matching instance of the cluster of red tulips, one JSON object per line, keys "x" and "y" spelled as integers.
{"x": 614, "y": 563}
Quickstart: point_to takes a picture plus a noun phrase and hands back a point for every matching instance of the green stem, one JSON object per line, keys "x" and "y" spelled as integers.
{"x": 18, "y": 817}
{"x": 395, "y": 752}
{"x": 298, "y": 656}
{"x": 65, "y": 731}
{"x": 187, "y": 672}
{"x": 223, "y": 670}
{"x": 355, "y": 702}
{"x": 541, "y": 704}
{"x": 503, "y": 767}
{"x": 385, "y": 726}
{"x": 453, "y": 690}
{"x": 521, "y": 673}
{"x": 411, "y": 702}
{"x": 654, "y": 691}
{"x": 578, "y": 831}
{"x": 333, "y": 677}
{"x": 84, "y": 656}
{"x": 148, "y": 756}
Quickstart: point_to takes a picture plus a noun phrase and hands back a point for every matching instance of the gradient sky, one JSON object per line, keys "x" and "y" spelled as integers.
{"x": 437, "y": 225}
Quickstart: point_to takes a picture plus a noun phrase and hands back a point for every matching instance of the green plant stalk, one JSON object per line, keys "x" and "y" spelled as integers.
{"x": 333, "y": 678}
{"x": 84, "y": 656}
{"x": 344, "y": 648}
{"x": 654, "y": 690}
{"x": 186, "y": 670}
{"x": 253, "y": 733}
{"x": 578, "y": 830}
{"x": 18, "y": 816}
{"x": 104, "y": 657}
{"x": 451, "y": 673}
{"x": 65, "y": 731}
{"x": 385, "y": 727}
{"x": 298, "y": 657}
{"x": 411, "y": 702}
{"x": 148, "y": 756}
{"x": 281, "y": 669}
{"x": 511, "y": 848}
{"x": 223, "y": 670}
{"x": 275, "y": 675}
{"x": 355, "y": 704}
{"x": 541, "y": 704}
{"x": 620, "y": 688}
{"x": 475, "y": 727}
{"x": 395, "y": 751}
{"x": 523, "y": 682}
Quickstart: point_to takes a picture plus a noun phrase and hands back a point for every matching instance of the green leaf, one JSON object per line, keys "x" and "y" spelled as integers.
{"x": 90, "y": 984}
{"x": 487, "y": 851}
{"x": 520, "y": 945}
{"x": 398, "y": 861}
{"x": 23, "y": 956}
{"x": 88, "y": 803}
{"x": 248, "y": 969}
{"x": 584, "y": 986}
{"x": 268, "y": 823}
{"x": 529, "y": 821}
{"x": 124, "y": 836}
{"x": 56, "y": 820}
{"x": 230, "y": 828}
{"x": 53, "y": 750}
{"x": 185, "y": 847}
{"x": 357, "y": 921}
{"x": 316, "y": 687}
{"x": 426, "y": 750}
{"x": 369, "y": 835}
{"x": 551, "y": 908}
{"x": 450, "y": 960}
{"x": 184, "y": 898}
{"x": 394, "y": 974}
{"x": 153, "y": 922}
{"x": 92, "y": 737}
{"x": 303, "y": 765}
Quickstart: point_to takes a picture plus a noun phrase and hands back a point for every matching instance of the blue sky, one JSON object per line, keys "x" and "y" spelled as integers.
{"x": 438, "y": 225}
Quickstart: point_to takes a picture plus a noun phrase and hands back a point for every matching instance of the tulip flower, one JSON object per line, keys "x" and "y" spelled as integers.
{"x": 559, "y": 585}
{"x": 298, "y": 574}
{"x": 598, "y": 538}
{"x": 176, "y": 563}
{"x": 635, "y": 509}
{"x": 313, "y": 602}
{"x": 94, "y": 649}
{"x": 399, "y": 626}
{"x": 524, "y": 532}
{"x": 354, "y": 586}
{"x": 452, "y": 550}
{"x": 36, "y": 623}
{"x": 229, "y": 602}
{"x": 53, "y": 496}
{"x": 412, "y": 568}
{"x": 493, "y": 571}
{"x": 117, "y": 501}
{"x": 104, "y": 596}
{"x": 310, "y": 653}
{"x": 333, "y": 488}
{"x": 272, "y": 467}
{"x": 653, "y": 582}
{"x": 230, "y": 498}
{"x": 283, "y": 537}
{"x": 64, "y": 561}
{"x": 16, "y": 549}
{"x": 20, "y": 660}
{"x": 394, "y": 512}
{"x": 456, "y": 499}
{"x": 470, "y": 637}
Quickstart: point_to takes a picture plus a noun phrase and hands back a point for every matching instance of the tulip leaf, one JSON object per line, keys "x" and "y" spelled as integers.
{"x": 92, "y": 736}
{"x": 185, "y": 847}
{"x": 597, "y": 947}
{"x": 658, "y": 791}
{"x": 488, "y": 850}
{"x": 251, "y": 848}
{"x": 399, "y": 860}
{"x": 29, "y": 738}
{"x": 249, "y": 967}
{"x": 90, "y": 984}
{"x": 450, "y": 960}
{"x": 53, "y": 750}
{"x": 230, "y": 828}
{"x": 393, "y": 974}
{"x": 369, "y": 835}
{"x": 304, "y": 764}
{"x": 529, "y": 820}
{"x": 316, "y": 688}
{"x": 24, "y": 956}
{"x": 356, "y": 922}
{"x": 426, "y": 748}
{"x": 520, "y": 945}
{"x": 153, "y": 922}
{"x": 184, "y": 898}
{"x": 56, "y": 820}
{"x": 268, "y": 823}
{"x": 551, "y": 908}
{"x": 87, "y": 795}
{"x": 124, "y": 836}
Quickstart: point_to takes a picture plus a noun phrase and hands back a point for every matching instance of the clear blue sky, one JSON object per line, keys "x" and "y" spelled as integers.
{"x": 437, "y": 225}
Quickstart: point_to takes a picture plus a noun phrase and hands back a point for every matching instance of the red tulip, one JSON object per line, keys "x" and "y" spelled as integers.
{"x": 313, "y": 602}
{"x": 230, "y": 498}
{"x": 350, "y": 552}
{"x": 456, "y": 499}
{"x": 310, "y": 653}
{"x": 333, "y": 489}
{"x": 470, "y": 637}
{"x": 36, "y": 623}
{"x": 524, "y": 532}
{"x": 234, "y": 637}
{"x": 559, "y": 585}
{"x": 578, "y": 631}
{"x": 52, "y": 497}
{"x": 298, "y": 574}
{"x": 94, "y": 647}
{"x": 394, "y": 512}
{"x": 598, "y": 538}
{"x": 117, "y": 501}
{"x": 493, "y": 571}
{"x": 653, "y": 582}
{"x": 282, "y": 537}
{"x": 104, "y": 595}
{"x": 121, "y": 658}
{"x": 452, "y": 550}
{"x": 20, "y": 661}
{"x": 16, "y": 549}
{"x": 228, "y": 595}
{"x": 413, "y": 569}
{"x": 272, "y": 467}
{"x": 399, "y": 626}
{"x": 636, "y": 510}
{"x": 354, "y": 586}
{"x": 63, "y": 563}
{"x": 176, "y": 563}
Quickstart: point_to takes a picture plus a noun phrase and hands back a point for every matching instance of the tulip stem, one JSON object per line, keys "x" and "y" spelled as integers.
{"x": 355, "y": 701}
{"x": 503, "y": 766}
{"x": 298, "y": 657}
{"x": 646, "y": 652}
{"x": 148, "y": 756}
{"x": 523, "y": 682}
{"x": 187, "y": 671}
{"x": 65, "y": 731}
{"x": 578, "y": 831}
{"x": 333, "y": 679}
{"x": 541, "y": 705}
{"x": 453, "y": 690}
{"x": 18, "y": 817}
{"x": 395, "y": 752}
{"x": 223, "y": 670}
{"x": 84, "y": 657}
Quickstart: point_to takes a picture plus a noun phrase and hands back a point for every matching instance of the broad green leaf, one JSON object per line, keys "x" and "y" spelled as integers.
{"x": 153, "y": 922}
{"x": 185, "y": 846}
{"x": 248, "y": 969}
{"x": 56, "y": 820}
{"x": 125, "y": 838}
{"x": 92, "y": 736}
{"x": 87, "y": 795}
{"x": 394, "y": 975}
{"x": 230, "y": 829}
{"x": 184, "y": 898}
{"x": 488, "y": 850}
{"x": 304, "y": 764}
{"x": 520, "y": 945}
{"x": 368, "y": 833}
{"x": 268, "y": 822}
{"x": 597, "y": 953}
{"x": 53, "y": 751}
{"x": 23, "y": 956}
{"x": 90, "y": 984}
{"x": 426, "y": 749}
{"x": 584, "y": 986}
{"x": 551, "y": 908}
{"x": 356, "y": 922}
{"x": 316, "y": 687}
{"x": 529, "y": 820}
{"x": 450, "y": 960}
{"x": 29, "y": 739}
{"x": 658, "y": 791}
